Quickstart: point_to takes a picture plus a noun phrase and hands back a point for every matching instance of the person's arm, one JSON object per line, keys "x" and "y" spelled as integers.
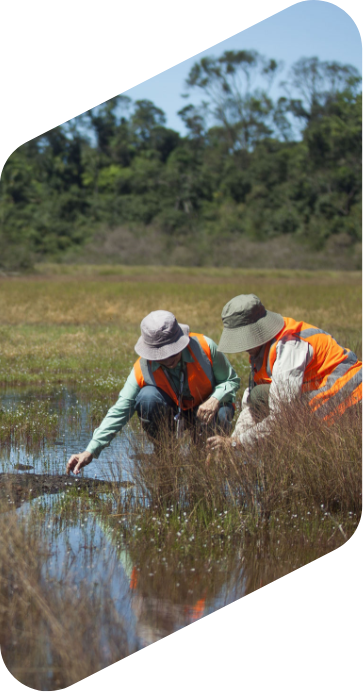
{"x": 226, "y": 383}
{"x": 115, "y": 419}
{"x": 292, "y": 358}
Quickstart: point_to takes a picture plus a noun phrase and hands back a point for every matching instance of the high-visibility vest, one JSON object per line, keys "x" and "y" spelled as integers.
{"x": 332, "y": 379}
{"x": 199, "y": 374}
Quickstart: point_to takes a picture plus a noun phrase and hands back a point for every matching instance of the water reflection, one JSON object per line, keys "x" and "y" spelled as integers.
{"x": 156, "y": 589}
{"x": 73, "y": 435}
{"x": 155, "y": 593}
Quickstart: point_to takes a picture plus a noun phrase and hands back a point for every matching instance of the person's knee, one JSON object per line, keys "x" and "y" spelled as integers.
{"x": 152, "y": 403}
{"x": 147, "y": 398}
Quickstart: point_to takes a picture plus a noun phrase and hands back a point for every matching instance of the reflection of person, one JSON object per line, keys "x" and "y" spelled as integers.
{"x": 170, "y": 596}
{"x": 177, "y": 374}
{"x": 158, "y": 615}
{"x": 287, "y": 358}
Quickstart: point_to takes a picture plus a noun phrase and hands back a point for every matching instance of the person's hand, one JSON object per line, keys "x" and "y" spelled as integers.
{"x": 77, "y": 461}
{"x": 208, "y": 410}
{"x": 218, "y": 443}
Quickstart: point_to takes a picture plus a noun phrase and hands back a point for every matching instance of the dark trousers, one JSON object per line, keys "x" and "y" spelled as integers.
{"x": 156, "y": 410}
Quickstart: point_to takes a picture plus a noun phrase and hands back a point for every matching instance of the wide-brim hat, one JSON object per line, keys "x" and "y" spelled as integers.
{"x": 162, "y": 336}
{"x": 247, "y": 324}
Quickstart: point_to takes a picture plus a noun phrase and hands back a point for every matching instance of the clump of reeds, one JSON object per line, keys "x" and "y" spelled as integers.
{"x": 310, "y": 460}
{"x": 53, "y": 633}
{"x": 29, "y": 422}
{"x": 303, "y": 460}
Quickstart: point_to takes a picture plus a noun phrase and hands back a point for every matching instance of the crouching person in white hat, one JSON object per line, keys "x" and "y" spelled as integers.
{"x": 179, "y": 375}
{"x": 288, "y": 358}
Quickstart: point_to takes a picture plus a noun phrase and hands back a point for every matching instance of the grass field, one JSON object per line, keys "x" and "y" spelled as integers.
{"x": 81, "y": 323}
{"x": 295, "y": 499}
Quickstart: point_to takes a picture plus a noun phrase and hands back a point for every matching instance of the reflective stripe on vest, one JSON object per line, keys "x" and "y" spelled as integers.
{"x": 199, "y": 374}
{"x": 334, "y": 374}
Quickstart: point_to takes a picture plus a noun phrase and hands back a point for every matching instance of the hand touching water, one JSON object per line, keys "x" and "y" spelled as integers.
{"x": 78, "y": 461}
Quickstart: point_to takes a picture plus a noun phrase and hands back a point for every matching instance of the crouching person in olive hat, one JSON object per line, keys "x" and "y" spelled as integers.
{"x": 288, "y": 358}
{"x": 178, "y": 375}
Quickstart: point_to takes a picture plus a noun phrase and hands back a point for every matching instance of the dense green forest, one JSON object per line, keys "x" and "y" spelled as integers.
{"x": 116, "y": 184}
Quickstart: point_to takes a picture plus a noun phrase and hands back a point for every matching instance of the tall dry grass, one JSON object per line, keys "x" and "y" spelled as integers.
{"x": 52, "y": 633}
{"x": 303, "y": 460}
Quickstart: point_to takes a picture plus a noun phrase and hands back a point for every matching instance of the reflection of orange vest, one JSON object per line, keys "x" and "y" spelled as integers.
{"x": 199, "y": 374}
{"x": 193, "y": 613}
{"x": 334, "y": 374}
{"x": 134, "y": 579}
{"x": 196, "y": 611}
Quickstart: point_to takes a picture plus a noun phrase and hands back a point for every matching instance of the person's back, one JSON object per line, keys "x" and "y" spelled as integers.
{"x": 332, "y": 373}
{"x": 288, "y": 358}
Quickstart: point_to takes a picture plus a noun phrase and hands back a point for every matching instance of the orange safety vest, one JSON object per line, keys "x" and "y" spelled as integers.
{"x": 199, "y": 374}
{"x": 332, "y": 378}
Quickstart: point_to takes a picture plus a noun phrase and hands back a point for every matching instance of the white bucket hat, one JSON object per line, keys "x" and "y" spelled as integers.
{"x": 161, "y": 336}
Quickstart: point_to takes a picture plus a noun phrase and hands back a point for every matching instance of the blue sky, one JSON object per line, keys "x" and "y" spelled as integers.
{"x": 306, "y": 29}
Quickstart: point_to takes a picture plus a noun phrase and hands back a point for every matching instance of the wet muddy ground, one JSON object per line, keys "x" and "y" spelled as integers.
{"x": 25, "y": 486}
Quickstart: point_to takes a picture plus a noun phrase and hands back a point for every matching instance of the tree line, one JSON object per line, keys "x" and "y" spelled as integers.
{"x": 251, "y": 166}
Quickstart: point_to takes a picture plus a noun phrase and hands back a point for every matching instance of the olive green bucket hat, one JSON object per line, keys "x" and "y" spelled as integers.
{"x": 247, "y": 324}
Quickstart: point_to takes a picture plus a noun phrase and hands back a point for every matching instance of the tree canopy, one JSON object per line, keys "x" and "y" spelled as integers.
{"x": 251, "y": 166}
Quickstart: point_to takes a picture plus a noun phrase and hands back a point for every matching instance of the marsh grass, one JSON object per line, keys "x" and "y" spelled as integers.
{"x": 81, "y": 327}
{"x": 194, "y": 531}
{"x": 230, "y": 525}
{"x": 53, "y": 632}
{"x": 198, "y": 555}
{"x": 31, "y": 423}
{"x": 303, "y": 460}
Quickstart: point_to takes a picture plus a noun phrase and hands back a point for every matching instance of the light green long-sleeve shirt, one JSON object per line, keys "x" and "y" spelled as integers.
{"x": 226, "y": 385}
